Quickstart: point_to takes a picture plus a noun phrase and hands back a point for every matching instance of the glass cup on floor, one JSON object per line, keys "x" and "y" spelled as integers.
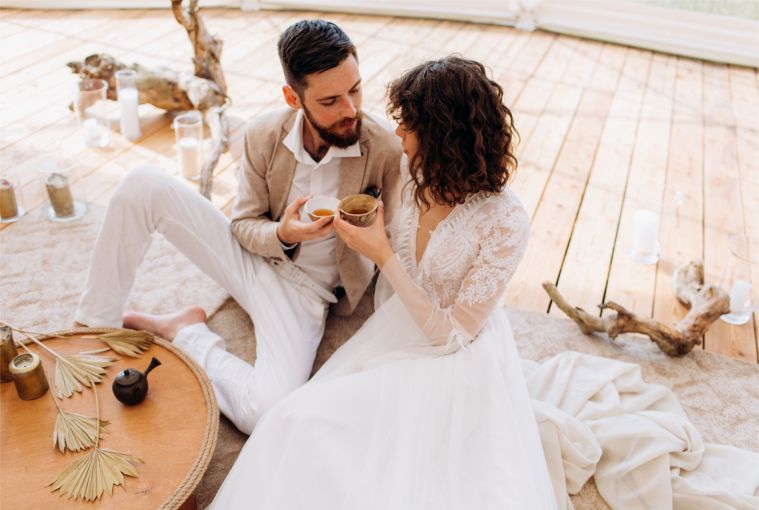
{"x": 91, "y": 107}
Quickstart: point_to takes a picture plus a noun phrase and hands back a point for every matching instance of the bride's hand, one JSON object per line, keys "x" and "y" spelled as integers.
{"x": 370, "y": 241}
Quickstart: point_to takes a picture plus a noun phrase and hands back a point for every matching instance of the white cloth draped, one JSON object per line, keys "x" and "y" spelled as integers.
{"x": 597, "y": 417}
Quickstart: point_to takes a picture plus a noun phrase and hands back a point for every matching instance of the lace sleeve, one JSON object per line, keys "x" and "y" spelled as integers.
{"x": 502, "y": 246}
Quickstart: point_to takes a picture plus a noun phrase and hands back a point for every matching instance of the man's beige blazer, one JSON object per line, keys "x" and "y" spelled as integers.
{"x": 266, "y": 174}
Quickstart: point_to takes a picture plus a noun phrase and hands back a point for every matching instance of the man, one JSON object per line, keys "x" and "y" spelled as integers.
{"x": 281, "y": 268}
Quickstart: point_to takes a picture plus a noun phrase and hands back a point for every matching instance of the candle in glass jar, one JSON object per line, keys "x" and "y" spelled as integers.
{"x": 189, "y": 157}
{"x": 7, "y": 353}
{"x": 93, "y": 133}
{"x": 60, "y": 195}
{"x": 129, "y": 119}
{"x": 28, "y": 376}
{"x": 8, "y": 205}
{"x": 740, "y": 296}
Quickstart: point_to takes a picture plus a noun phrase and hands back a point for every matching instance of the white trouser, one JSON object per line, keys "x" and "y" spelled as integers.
{"x": 289, "y": 322}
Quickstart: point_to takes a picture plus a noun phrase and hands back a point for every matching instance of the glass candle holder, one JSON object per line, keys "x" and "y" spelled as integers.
{"x": 57, "y": 175}
{"x": 91, "y": 106}
{"x": 11, "y": 200}
{"x": 128, "y": 96}
{"x": 189, "y": 136}
{"x": 738, "y": 280}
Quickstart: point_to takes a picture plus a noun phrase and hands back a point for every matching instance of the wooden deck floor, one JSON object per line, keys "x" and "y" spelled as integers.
{"x": 605, "y": 130}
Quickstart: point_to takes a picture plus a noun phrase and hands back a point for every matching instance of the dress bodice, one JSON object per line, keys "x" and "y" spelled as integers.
{"x": 463, "y": 272}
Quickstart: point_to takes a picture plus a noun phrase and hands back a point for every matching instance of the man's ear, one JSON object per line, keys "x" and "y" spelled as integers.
{"x": 291, "y": 97}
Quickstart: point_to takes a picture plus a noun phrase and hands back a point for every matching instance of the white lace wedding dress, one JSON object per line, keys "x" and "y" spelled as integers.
{"x": 426, "y": 406}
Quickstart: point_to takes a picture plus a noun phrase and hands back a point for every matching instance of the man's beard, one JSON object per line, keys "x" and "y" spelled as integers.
{"x": 330, "y": 134}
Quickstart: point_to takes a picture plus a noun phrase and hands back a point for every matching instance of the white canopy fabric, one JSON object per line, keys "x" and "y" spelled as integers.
{"x": 642, "y": 23}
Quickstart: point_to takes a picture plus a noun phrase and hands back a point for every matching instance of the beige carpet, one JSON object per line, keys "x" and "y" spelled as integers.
{"x": 720, "y": 395}
{"x": 44, "y": 266}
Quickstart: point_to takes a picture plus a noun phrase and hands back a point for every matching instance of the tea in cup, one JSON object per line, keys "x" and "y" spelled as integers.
{"x": 359, "y": 210}
{"x": 321, "y": 206}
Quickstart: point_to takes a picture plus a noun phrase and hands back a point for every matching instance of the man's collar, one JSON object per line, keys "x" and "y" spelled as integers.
{"x": 294, "y": 142}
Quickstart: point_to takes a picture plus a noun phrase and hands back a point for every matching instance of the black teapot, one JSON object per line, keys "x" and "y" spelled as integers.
{"x": 131, "y": 386}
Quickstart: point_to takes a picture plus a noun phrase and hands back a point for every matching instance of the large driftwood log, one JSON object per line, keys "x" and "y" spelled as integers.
{"x": 706, "y": 302}
{"x": 164, "y": 88}
{"x": 161, "y": 87}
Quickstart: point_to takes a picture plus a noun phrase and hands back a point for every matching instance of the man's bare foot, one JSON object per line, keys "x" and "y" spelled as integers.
{"x": 165, "y": 326}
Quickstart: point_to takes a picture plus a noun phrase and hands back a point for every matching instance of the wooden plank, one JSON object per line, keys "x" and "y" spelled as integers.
{"x": 744, "y": 97}
{"x": 528, "y": 104}
{"x": 386, "y": 64}
{"x": 554, "y": 219}
{"x": 723, "y": 206}
{"x": 538, "y": 154}
{"x": 8, "y": 29}
{"x": 630, "y": 283}
{"x": 682, "y": 224}
{"x": 31, "y": 18}
{"x": 585, "y": 269}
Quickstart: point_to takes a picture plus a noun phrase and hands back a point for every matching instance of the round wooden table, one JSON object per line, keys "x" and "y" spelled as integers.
{"x": 173, "y": 430}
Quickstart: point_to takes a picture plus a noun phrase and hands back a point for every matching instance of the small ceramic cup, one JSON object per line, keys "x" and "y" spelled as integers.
{"x": 359, "y": 210}
{"x": 321, "y": 206}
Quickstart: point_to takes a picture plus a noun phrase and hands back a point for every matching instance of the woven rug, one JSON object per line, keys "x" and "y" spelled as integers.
{"x": 719, "y": 394}
{"x": 44, "y": 267}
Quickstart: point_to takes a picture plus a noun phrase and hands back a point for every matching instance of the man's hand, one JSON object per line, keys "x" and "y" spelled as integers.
{"x": 369, "y": 241}
{"x": 292, "y": 230}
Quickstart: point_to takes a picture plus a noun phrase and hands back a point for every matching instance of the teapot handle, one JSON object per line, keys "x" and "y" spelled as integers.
{"x": 153, "y": 363}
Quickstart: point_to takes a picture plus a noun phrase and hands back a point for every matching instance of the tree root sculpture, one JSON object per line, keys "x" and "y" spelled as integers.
{"x": 706, "y": 302}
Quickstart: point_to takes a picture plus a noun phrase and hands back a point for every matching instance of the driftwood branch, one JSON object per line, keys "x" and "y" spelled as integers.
{"x": 706, "y": 302}
{"x": 219, "y": 126}
{"x": 207, "y": 47}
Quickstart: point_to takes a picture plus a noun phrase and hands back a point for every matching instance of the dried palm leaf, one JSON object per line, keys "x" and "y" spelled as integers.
{"x": 98, "y": 471}
{"x": 75, "y": 432}
{"x": 127, "y": 342}
{"x": 73, "y": 370}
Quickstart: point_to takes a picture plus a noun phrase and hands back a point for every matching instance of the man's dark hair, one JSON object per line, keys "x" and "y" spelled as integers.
{"x": 312, "y": 46}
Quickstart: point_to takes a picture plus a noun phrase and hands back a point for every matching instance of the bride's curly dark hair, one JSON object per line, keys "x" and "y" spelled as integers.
{"x": 466, "y": 134}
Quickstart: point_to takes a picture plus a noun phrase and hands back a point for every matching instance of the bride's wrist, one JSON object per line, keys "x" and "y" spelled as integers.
{"x": 383, "y": 256}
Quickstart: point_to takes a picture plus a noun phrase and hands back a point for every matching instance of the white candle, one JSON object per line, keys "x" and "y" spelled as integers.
{"x": 740, "y": 296}
{"x": 189, "y": 157}
{"x": 93, "y": 133}
{"x": 645, "y": 231}
{"x": 129, "y": 120}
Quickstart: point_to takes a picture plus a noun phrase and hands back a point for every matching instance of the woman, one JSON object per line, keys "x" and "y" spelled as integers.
{"x": 425, "y": 406}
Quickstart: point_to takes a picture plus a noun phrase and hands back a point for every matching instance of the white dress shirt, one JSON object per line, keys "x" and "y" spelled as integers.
{"x": 316, "y": 257}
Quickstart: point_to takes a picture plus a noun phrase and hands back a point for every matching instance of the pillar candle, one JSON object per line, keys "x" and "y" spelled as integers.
{"x": 8, "y": 205}
{"x": 129, "y": 120}
{"x": 645, "y": 232}
{"x": 7, "y": 353}
{"x": 60, "y": 195}
{"x": 28, "y": 376}
{"x": 189, "y": 157}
